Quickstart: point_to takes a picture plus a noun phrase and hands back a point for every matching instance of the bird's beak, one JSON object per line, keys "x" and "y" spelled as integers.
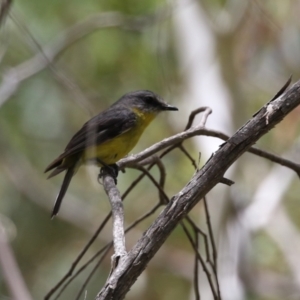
{"x": 169, "y": 107}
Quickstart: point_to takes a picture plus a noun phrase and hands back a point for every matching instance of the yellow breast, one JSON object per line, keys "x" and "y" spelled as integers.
{"x": 113, "y": 150}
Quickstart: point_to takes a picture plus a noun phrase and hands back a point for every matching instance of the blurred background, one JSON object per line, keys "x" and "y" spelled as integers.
{"x": 64, "y": 61}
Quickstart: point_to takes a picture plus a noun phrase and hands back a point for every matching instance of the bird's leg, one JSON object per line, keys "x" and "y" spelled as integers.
{"x": 112, "y": 170}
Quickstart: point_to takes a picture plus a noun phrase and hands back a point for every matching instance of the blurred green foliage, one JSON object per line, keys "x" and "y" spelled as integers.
{"x": 48, "y": 108}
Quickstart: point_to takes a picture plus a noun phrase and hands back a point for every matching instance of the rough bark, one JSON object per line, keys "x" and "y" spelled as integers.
{"x": 126, "y": 273}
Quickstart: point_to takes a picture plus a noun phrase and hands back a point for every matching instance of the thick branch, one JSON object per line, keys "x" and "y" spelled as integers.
{"x": 202, "y": 182}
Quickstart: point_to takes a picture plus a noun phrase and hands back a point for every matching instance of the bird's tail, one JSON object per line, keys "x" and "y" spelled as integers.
{"x": 67, "y": 179}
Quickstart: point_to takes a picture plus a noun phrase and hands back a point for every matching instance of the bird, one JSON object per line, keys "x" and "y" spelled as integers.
{"x": 107, "y": 137}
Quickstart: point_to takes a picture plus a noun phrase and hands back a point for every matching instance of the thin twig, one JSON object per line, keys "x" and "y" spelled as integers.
{"x": 154, "y": 160}
{"x": 106, "y": 248}
{"x": 145, "y": 216}
{"x": 207, "y": 111}
{"x": 177, "y": 138}
{"x": 182, "y": 148}
{"x": 210, "y": 231}
{"x": 162, "y": 178}
{"x": 132, "y": 160}
{"x": 165, "y": 198}
{"x": 196, "y": 270}
{"x": 91, "y": 274}
{"x": 79, "y": 257}
{"x": 133, "y": 185}
{"x": 199, "y": 231}
{"x": 262, "y": 153}
{"x": 204, "y": 267}
{"x": 214, "y": 249}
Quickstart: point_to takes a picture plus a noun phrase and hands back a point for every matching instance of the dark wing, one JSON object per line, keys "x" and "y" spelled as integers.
{"x": 101, "y": 128}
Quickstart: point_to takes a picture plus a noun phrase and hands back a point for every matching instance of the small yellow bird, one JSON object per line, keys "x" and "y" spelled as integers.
{"x": 107, "y": 137}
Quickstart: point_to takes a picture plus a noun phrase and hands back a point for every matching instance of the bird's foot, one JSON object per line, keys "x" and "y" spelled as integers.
{"x": 112, "y": 170}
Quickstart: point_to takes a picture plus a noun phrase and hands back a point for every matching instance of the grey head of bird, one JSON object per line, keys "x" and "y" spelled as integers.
{"x": 146, "y": 101}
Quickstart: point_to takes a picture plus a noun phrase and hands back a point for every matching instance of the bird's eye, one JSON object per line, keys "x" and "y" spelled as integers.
{"x": 150, "y": 100}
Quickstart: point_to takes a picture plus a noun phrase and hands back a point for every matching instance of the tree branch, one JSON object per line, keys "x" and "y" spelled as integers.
{"x": 118, "y": 217}
{"x": 201, "y": 183}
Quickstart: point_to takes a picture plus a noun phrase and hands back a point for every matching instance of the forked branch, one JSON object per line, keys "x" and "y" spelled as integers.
{"x": 201, "y": 183}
